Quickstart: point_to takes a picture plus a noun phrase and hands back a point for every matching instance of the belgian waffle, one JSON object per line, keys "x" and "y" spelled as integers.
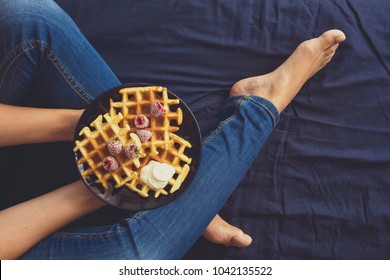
{"x": 138, "y": 100}
{"x": 93, "y": 148}
{"x": 164, "y": 146}
{"x": 174, "y": 156}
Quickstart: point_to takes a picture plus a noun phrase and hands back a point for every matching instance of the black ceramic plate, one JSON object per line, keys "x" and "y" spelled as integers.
{"x": 122, "y": 197}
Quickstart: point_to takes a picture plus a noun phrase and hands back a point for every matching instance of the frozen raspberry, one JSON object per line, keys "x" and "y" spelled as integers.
{"x": 144, "y": 135}
{"x": 114, "y": 147}
{"x": 131, "y": 151}
{"x": 141, "y": 121}
{"x": 157, "y": 109}
{"x": 110, "y": 163}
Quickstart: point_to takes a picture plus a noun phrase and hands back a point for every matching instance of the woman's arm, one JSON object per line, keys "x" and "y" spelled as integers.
{"x": 25, "y": 125}
{"x": 25, "y": 224}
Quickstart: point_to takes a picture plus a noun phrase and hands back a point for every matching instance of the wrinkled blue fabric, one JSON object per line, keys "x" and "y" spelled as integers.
{"x": 320, "y": 189}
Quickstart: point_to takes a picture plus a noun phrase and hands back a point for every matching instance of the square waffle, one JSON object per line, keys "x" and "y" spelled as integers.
{"x": 174, "y": 156}
{"x": 93, "y": 149}
{"x": 138, "y": 100}
{"x": 164, "y": 146}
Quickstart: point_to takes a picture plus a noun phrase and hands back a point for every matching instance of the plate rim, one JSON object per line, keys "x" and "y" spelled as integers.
{"x": 172, "y": 196}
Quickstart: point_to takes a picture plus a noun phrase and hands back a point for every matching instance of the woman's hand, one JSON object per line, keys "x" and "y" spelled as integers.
{"x": 25, "y": 125}
{"x": 25, "y": 224}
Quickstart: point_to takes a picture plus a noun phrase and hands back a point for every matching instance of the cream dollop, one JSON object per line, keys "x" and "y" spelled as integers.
{"x": 156, "y": 175}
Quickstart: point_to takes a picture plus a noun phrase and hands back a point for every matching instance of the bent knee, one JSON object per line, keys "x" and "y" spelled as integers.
{"x": 18, "y": 15}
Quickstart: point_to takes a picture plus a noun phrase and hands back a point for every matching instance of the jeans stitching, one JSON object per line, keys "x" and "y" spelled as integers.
{"x": 222, "y": 124}
{"x": 17, "y": 52}
{"x": 136, "y": 216}
{"x": 69, "y": 79}
{"x": 119, "y": 229}
{"x": 274, "y": 119}
{"x": 109, "y": 233}
{"x": 56, "y": 62}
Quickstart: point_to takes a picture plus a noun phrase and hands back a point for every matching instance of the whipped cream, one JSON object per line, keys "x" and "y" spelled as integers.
{"x": 156, "y": 175}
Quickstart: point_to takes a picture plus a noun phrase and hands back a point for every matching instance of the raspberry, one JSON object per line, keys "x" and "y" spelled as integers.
{"x": 131, "y": 151}
{"x": 114, "y": 147}
{"x": 144, "y": 135}
{"x": 141, "y": 121}
{"x": 110, "y": 163}
{"x": 157, "y": 109}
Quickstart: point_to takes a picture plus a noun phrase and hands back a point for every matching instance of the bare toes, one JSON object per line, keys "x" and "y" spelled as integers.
{"x": 331, "y": 50}
{"x": 240, "y": 240}
{"x": 221, "y": 232}
{"x": 332, "y": 37}
{"x": 281, "y": 85}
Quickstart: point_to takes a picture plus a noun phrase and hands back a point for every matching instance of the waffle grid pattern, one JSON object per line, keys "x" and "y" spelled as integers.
{"x": 164, "y": 146}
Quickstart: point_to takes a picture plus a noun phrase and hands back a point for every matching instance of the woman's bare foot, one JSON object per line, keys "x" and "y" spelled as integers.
{"x": 279, "y": 87}
{"x": 220, "y": 232}
{"x": 282, "y": 85}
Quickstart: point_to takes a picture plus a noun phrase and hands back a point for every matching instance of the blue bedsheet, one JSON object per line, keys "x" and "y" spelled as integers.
{"x": 320, "y": 189}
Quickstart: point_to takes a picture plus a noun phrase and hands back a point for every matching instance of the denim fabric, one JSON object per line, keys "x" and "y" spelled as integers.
{"x": 169, "y": 231}
{"x": 45, "y": 60}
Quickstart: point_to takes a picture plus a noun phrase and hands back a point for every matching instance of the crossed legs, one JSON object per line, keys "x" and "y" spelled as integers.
{"x": 279, "y": 87}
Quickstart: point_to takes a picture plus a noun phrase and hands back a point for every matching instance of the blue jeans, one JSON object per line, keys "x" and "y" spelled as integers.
{"x": 45, "y": 61}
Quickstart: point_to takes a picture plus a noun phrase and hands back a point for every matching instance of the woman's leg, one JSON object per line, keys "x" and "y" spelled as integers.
{"x": 228, "y": 152}
{"x": 45, "y": 61}
{"x": 53, "y": 63}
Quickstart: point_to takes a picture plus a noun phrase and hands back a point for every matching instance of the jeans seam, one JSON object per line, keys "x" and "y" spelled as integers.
{"x": 56, "y": 62}
{"x": 69, "y": 79}
{"x": 16, "y": 53}
{"x": 100, "y": 234}
{"x": 90, "y": 235}
{"x": 225, "y": 122}
{"x": 136, "y": 216}
{"x": 274, "y": 119}
{"x": 119, "y": 229}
